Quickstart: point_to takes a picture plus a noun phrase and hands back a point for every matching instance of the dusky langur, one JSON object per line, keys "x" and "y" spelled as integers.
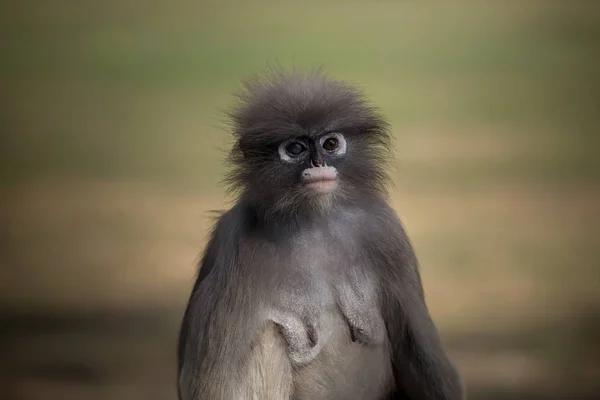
{"x": 309, "y": 287}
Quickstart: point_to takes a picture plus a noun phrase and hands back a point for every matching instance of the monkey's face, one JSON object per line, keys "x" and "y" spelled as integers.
{"x": 297, "y": 171}
{"x": 313, "y": 161}
{"x": 309, "y": 168}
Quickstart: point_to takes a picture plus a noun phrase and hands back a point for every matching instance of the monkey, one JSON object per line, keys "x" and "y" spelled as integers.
{"x": 309, "y": 287}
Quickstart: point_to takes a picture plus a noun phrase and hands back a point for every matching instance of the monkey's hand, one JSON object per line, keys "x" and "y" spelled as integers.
{"x": 301, "y": 335}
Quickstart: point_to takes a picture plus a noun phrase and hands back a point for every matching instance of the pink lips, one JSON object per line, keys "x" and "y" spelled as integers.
{"x": 320, "y": 179}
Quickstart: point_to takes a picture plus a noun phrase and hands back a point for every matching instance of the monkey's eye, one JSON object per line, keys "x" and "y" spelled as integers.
{"x": 294, "y": 149}
{"x": 334, "y": 143}
{"x": 331, "y": 144}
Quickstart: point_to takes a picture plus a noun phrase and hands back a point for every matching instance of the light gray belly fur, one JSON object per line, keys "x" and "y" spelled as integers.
{"x": 344, "y": 369}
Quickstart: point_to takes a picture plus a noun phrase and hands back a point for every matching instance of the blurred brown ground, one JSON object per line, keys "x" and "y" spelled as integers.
{"x": 111, "y": 159}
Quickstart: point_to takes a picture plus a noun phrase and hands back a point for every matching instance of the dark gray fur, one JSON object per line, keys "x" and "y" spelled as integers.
{"x": 338, "y": 279}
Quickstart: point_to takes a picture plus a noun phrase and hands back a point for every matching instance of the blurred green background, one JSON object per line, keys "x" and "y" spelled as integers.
{"x": 112, "y": 140}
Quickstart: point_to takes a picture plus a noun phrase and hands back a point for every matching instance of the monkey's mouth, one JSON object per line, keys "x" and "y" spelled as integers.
{"x": 320, "y": 179}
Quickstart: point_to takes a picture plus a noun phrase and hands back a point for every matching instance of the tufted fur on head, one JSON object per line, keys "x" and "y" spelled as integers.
{"x": 280, "y": 105}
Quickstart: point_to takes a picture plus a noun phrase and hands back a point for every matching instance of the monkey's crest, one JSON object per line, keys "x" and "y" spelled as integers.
{"x": 281, "y": 106}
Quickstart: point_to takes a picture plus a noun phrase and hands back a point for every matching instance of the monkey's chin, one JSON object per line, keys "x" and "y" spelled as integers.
{"x": 321, "y": 187}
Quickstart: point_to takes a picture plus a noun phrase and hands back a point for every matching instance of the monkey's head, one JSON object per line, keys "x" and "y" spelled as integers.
{"x": 306, "y": 143}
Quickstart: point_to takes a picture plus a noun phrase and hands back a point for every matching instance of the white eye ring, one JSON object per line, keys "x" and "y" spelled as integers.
{"x": 342, "y": 145}
{"x": 285, "y": 157}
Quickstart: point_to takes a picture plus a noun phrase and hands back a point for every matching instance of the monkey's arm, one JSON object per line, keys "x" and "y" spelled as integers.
{"x": 205, "y": 266}
{"x": 421, "y": 367}
{"x": 220, "y": 321}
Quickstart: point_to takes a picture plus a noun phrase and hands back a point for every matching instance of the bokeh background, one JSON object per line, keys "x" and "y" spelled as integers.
{"x": 112, "y": 141}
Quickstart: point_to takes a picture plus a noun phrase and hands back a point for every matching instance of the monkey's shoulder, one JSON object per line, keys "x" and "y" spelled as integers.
{"x": 232, "y": 222}
{"x": 224, "y": 238}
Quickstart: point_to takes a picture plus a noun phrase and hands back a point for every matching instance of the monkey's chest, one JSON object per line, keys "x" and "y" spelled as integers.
{"x": 336, "y": 337}
{"x": 317, "y": 311}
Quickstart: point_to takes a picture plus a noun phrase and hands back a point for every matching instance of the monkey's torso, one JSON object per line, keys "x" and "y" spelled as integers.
{"x": 324, "y": 301}
{"x": 328, "y": 311}
{"x": 331, "y": 309}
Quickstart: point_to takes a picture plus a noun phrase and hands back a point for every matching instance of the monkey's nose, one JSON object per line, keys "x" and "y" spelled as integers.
{"x": 316, "y": 161}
